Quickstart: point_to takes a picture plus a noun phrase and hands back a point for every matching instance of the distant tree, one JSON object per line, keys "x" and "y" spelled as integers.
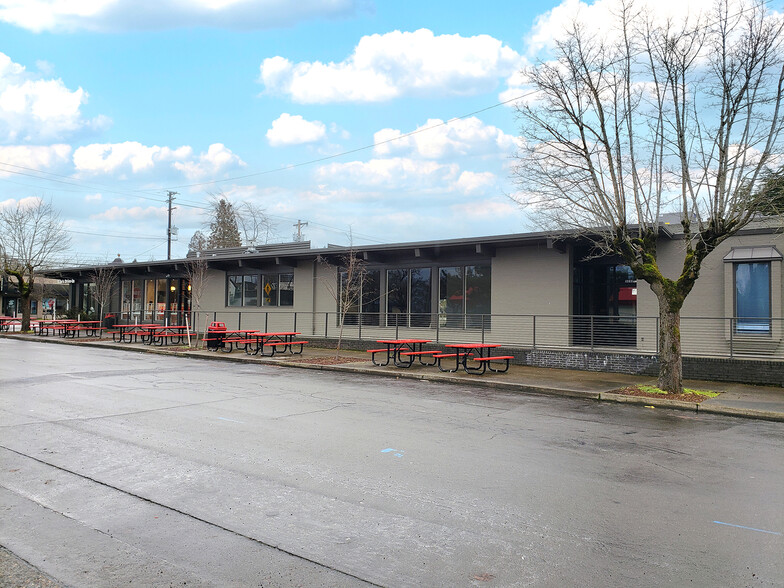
{"x": 651, "y": 118}
{"x": 197, "y": 272}
{"x": 770, "y": 197}
{"x": 105, "y": 280}
{"x": 198, "y": 242}
{"x": 224, "y": 231}
{"x": 31, "y": 236}
{"x": 256, "y": 226}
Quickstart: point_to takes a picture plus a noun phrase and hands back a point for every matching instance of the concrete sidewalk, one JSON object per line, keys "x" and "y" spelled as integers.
{"x": 741, "y": 400}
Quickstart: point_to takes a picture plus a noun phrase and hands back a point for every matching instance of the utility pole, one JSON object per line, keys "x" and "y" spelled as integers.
{"x": 170, "y": 195}
{"x": 299, "y": 224}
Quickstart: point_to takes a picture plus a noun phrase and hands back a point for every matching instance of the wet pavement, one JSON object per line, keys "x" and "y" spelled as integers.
{"x": 736, "y": 399}
{"x": 150, "y": 469}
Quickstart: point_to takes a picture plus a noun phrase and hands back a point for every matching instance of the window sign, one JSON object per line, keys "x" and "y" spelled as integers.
{"x": 269, "y": 296}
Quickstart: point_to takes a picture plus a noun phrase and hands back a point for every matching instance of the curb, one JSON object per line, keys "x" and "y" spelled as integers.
{"x": 444, "y": 379}
{"x": 646, "y": 401}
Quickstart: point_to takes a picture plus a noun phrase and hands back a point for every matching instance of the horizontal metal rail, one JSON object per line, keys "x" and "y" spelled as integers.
{"x": 719, "y": 337}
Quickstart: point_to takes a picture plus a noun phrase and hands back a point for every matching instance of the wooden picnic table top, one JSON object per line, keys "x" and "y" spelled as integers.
{"x": 472, "y": 345}
{"x": 403, "y": 341}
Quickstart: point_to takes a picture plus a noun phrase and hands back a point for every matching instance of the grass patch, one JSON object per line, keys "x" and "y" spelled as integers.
{"x": 655, "y": 390}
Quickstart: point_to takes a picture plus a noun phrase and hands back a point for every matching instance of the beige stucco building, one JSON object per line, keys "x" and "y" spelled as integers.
{"x": 532, "y": 291}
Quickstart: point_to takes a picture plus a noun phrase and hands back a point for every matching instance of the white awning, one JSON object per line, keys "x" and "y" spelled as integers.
{"x": 752, "y": 254}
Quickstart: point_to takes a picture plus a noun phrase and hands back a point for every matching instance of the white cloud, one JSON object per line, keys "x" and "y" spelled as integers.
{"x": 217, "y": 160}
{"x": 461, "y": 137}
{"x": 30, "y": 201}
{"x": 108, "y": 158}
{"x": 295, "y": 130}
{"x": 386, "y": 66}
{"x": 397, "y": 172}
{"x": 600, "y": 17}
{"x": 32, "y": 157}
{"x": 474, "y": 182}
{"x": 93, "y": 197}
{"x": 33, "y": 109}
{"x": 124, "y": 15}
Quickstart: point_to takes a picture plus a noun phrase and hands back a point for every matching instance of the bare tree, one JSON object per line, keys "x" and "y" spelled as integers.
{"x": 345, "y": 286}
{"x": 31, "y": 236}
{"x": 256, "y": 226}
{"x": 676, "y": 117}
{"x": 105, "y": 280}
{"x": 198, "y": 273}
{"x": 232, "y": 224}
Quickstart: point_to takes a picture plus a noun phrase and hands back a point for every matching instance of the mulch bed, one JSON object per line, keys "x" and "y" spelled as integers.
{"x": 635, "y": 391}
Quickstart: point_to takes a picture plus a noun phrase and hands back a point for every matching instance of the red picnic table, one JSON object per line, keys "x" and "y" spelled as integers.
{"x": 7, "y": 321}
{"x": 161, "y": 334}
{"x": 76, "y": 328}
{"x": 397, "y": 349}
{"x": 228, "y": 339}
{"x": 478, "y": 352}
{"x": 130, "y": 333}
{"x": 54, "y": 325}
{"x": 277, "y": 342}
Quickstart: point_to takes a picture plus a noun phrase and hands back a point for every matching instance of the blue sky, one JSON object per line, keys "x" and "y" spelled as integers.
{"x": 107, "y": 104}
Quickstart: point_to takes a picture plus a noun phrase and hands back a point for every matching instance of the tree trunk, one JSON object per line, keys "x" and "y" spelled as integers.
{"x": 25, "y": 300}
{"x": 670, "y": 358}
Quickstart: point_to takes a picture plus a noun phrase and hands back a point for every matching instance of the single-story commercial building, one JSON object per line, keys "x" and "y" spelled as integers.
{"x": 543, "y": 295}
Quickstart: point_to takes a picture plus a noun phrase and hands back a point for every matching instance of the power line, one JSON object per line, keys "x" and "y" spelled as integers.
{"x": 358, "y": 149}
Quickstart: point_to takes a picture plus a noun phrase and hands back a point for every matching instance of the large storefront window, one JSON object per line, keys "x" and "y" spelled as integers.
{"x": 260, "y": 290}
{"x": 604, "y": 304}
{"x": 371, "y": 297}
{"x": 409, "y": 297}
{"x": 234, "y": 291}
{"x": 137, "y": 300}
{"x": 250, "y": 291}
{"x": 752, "y": 297}
{"x": 162, "y": 300}
{"x": 464, "y": 296}
{"x": 286, "y": 290}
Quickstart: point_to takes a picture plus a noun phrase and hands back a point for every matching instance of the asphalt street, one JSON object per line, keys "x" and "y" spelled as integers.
{"x": 138, "y": 469}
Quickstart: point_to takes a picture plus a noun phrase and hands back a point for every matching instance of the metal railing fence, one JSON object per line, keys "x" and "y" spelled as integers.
{"x": 700, "y": 336}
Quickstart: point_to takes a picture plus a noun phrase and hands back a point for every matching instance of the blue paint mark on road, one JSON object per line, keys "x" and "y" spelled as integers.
{"x": 231, "y": 420}
{"x": 749, "y": 528}
{"x": 397, "y": 453}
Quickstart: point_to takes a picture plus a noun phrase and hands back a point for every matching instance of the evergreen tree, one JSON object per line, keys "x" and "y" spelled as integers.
{"x": 223, "y": 225}
{"x": 770, "y": 197}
